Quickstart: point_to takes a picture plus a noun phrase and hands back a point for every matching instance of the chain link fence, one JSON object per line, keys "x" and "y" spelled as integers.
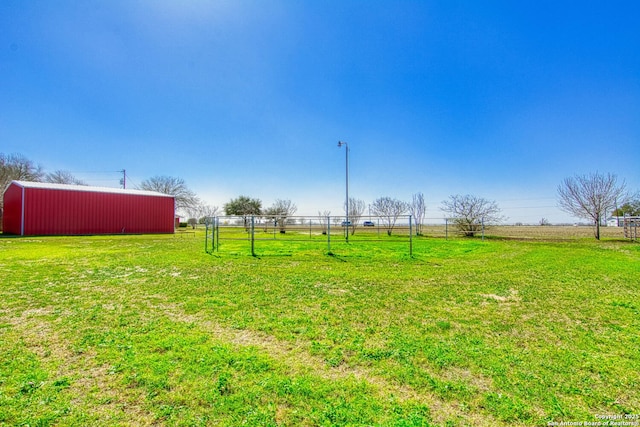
{"x": 257, "y": 231}
{"x": 331, "y": 233}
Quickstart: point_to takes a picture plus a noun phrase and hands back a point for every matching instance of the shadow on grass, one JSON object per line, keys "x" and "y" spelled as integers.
{"x": 336, "y": 256}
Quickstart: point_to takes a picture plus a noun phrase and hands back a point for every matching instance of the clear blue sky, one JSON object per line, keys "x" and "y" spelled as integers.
{"x": 500, "y": 99}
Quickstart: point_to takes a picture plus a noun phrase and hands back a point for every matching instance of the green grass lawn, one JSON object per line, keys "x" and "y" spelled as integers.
{"x": 151, "y": 330}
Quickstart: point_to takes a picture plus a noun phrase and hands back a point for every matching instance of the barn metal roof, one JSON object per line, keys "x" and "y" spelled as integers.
{"x": 72, "y": 187}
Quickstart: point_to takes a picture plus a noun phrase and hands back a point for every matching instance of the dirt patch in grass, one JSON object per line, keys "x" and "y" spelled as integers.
{"x": 511, "y": 297}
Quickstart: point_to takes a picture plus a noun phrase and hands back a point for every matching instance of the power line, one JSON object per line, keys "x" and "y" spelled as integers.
{"x": 527, "y": 200}
{"x": 528, "y": 207}
{"x": 124, "y": 181}
{"x": 95, "y": 172}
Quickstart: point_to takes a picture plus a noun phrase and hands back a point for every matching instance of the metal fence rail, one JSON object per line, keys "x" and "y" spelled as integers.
{"x": 323, "y": 230}
{"x": 330, "y": 233}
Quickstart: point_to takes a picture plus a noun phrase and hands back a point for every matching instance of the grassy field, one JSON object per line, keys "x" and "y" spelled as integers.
{"x": 151, "y": 330}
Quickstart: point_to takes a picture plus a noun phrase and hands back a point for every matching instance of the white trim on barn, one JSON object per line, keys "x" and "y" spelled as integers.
{"x": 75, "y": 187}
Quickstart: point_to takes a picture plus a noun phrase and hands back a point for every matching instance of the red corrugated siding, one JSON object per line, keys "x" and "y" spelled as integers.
{"x": 12, "y": 210}
{"x": 53, "y": 211}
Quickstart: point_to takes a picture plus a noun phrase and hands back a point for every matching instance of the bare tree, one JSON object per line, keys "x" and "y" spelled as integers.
{"x": 356, "y": 209}
{"x": 590, "y": 196}
{"x": 323, "y": 218}
{"x": 418, "y": 210}
{"x": 389, "y": 209}
{"x": 271, "y": 218}
{"x": 63, "y": 177}
{"x": 279, "y": 214}
{"x": 285, "y": 207}
{"x": 206, "y": 211}
{"x": 198, "y": 213}
{"x": 16, "y": 167}
{"x": 470, "y": 213}
{"x": 185, "y": 199}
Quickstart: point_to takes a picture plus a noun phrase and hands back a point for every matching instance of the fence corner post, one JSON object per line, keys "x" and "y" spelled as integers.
{"x": 446, "y": 228}
{"x": 253, "y": 228}
{"x": 329, "y": 235}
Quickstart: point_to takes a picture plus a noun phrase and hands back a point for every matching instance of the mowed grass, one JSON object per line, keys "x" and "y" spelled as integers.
{"x": 151, "y": 330}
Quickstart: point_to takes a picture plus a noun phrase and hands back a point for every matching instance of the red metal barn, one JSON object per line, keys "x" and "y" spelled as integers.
{"x": 37, "y": 208}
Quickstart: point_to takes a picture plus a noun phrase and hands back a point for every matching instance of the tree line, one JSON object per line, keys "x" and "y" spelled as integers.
{"x": 591, "y": 197}
{"x": 468, "y": 212}
{"x": 387, "y": 208}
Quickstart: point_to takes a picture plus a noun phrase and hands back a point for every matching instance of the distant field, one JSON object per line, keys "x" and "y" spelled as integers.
{"x": 151, "y": 330}
{"x": 548, "y": 232}
{"x": 554, "y": 232}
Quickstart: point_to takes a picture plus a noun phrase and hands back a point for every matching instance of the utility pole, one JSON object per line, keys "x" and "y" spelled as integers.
{"x": 123, "y": 181}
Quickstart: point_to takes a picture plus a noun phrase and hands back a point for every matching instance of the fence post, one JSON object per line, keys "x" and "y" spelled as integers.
{"x": 446, "y": 229}
{"x": 210, "y": 228}
{"x": 329, "y": 235}
{"x": 410, "y": 237}
{"x": 217, "y": 232}
{"x": 253, "y": 252}
{"x": 482, "y": 222}
{"x": 206, "y": 236}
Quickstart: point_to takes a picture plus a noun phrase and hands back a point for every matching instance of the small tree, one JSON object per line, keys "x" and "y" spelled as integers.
{"x": 323, "y": 218}
{"x": 243, "y": 206}
{"x": 206, "y": 211}
{"x": 469, "y": 213}
{"x": 389, "y": 209}
{"x": 281, "y": 210}
{"x": 271, "y": 217}
{"x": 356, "y": 209}
{"x": 590, "y": 196}
{"x": 418, "y": 210}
